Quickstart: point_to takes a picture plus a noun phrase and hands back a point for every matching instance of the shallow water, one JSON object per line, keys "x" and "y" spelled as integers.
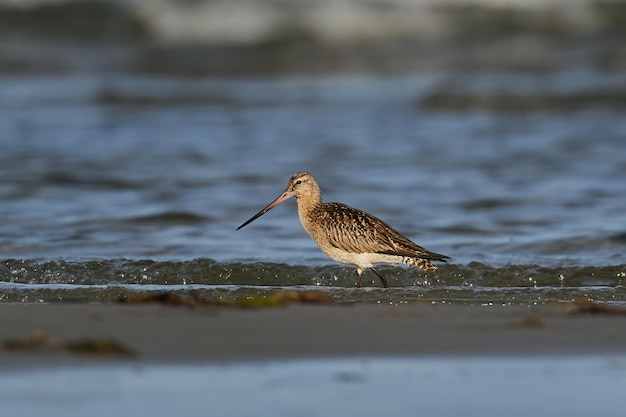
{"x": 120, "y": 184}
{"x": 120, "y": 280}
{"x": 571, "y": 386}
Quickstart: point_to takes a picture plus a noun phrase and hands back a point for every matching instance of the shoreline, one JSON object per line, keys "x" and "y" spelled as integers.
{"x": 181, "y": 335}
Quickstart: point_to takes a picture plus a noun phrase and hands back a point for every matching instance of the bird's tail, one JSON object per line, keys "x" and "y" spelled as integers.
{"x": 420, "y": 263}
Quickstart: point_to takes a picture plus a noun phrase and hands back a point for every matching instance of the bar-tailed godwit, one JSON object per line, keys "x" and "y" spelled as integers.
{"x": 349, "y": 235}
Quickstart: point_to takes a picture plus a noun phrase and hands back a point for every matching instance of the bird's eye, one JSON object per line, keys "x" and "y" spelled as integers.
{"x": 298, "y": 182}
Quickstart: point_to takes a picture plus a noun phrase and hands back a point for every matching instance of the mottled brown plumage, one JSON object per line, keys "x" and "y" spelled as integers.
{"x": 349, "y": 235}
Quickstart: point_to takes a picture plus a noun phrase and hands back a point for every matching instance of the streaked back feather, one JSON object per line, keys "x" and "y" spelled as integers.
{"x": 356, "y": 231}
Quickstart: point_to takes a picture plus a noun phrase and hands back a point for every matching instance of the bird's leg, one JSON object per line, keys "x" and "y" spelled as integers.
{"x": 359, "y": 272}
{"x": 382, "y": 278}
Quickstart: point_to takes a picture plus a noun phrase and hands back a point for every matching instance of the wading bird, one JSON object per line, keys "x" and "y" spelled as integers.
{"x": 349, "y": 235}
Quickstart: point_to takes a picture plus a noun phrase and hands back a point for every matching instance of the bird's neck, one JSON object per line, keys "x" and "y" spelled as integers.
{"x": 307, "y": 204}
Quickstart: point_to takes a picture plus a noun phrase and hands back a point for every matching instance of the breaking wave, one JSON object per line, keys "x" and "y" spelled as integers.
{"x": 25, "y": 280}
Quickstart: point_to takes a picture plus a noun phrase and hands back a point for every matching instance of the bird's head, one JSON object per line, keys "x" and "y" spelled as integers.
{"x": 301, "y": 185}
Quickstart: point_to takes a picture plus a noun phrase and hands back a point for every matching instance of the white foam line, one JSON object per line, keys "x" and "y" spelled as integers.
{"x": 151, "y": 287}
{"x": 233, "y": 287}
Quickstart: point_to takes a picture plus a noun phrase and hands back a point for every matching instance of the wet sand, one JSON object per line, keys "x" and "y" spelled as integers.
{"x": 165, "y": 334}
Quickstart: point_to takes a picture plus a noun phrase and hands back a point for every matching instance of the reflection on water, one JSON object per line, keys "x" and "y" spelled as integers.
{"x": 330, "y": 387}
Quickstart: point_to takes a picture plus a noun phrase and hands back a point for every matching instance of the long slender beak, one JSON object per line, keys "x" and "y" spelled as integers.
{"x": 284, "y": 196}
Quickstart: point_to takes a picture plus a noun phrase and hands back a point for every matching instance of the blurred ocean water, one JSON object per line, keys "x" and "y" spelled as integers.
{"x": 499, "y": 140}
{"x": 164, "y": 169}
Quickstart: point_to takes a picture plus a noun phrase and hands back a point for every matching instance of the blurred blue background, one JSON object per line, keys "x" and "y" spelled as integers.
{"x": 488, "y": 131}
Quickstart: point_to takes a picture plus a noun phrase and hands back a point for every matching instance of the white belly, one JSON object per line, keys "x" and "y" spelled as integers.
{"x": 361, "y": 260}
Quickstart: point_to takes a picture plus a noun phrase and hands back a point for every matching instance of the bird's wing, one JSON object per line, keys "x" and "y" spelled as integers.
{"x": 353, "y": 230}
